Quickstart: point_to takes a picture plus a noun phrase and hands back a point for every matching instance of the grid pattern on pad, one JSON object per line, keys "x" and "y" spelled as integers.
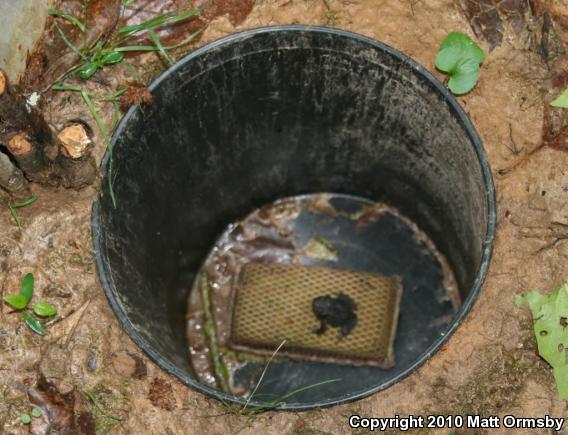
{"x": 273, "y": 302}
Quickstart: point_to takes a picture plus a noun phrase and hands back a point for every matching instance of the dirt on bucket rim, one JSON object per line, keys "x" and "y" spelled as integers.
{"x": 489, "y": 366}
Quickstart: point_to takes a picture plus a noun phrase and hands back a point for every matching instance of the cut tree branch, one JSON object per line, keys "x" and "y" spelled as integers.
{"x": 62, "y": 160}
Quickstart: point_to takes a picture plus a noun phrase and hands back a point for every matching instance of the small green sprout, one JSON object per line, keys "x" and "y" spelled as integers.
{"x": 27, "y": 418}
{"x": 561, "y": 101}
{"x": 550, "y": 317}
{"x": 108, "y": 52}
{"x": 21, "y": 301}
{"x": 460, "y": 58}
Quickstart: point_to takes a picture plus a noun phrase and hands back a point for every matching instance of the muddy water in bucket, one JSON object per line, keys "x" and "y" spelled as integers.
{"x": 343, "y": 232}
{"x": 295, "y": 112}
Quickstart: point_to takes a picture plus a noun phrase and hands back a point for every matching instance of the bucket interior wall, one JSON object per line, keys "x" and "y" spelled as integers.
{"x": 268, "y": 115}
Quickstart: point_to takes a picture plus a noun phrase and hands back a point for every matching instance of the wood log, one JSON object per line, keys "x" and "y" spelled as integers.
{"x": 43, "y": 157}
{"x": 11, "y": 178}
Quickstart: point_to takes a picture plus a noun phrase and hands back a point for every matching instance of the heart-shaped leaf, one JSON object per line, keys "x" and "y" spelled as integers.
{"x": 16, "y": 301}
{"x": 460, "y": 57}
{"x": 44, "y": 309}
{"x": 34, "y": 324}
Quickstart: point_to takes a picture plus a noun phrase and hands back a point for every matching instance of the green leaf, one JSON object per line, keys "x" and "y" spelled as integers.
{"x": 64, "y": 87}
{"x": 70, "y": 18}
{"x": 282, "y": 398}
{"x": 36, "y": 412}
{"x": 465, "y": 43}
{"x": 34, "y": 324}
{"x": 27, "y": 287}
{"x": 16, "y": 217}
{"x": 561, "y": 101}
{"x": 25, "y": 203}
{"x": 69, "y": 43}
{"x": 460, "y": 58}
{"x": 154, "y": 48}
{"x": 550, "y": 317}
{"x": 88, "y": 70}
{"x": 18, "y": 302}
{"x": 13, "y": 208}
{"x": 111, "y": 57}
{"x": 43, "y": 309}
{"x": 159, "y": 45}
{"x": 161, "y": 20}
{"x": 26, "y": 419}
{"x": 447, "y": 58}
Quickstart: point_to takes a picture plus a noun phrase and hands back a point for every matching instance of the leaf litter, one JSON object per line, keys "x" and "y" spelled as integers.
{"x": 58, "y": 411}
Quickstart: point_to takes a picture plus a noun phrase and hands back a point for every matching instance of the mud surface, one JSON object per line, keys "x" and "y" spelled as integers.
{"x": 488, "y": 366}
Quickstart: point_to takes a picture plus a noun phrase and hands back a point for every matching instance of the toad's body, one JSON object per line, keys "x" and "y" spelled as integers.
{"x": 336, "y": 311}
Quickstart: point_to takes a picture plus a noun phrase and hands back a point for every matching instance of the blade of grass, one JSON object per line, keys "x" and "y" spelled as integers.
{"x": 66, "y": 74}
{"x": 14, "y": 207}
{"x": 159, "y": 46}
{"x": 14, "y": 214}
{"x": 70, "y": 44}
{"x": 64, "y": 87}
{"x": 263, "y": 373}
{"x": 106, "y": 139}
{"x": 90, "y": 105}
{"x": 146, "y": 25}
{"x": 290, "y": 394}
{"x": 186, "y": 40}
{"x": 25, "y": 203}
{"x": 115, "y": 117}
{"x": 137, "y": 48}
{"x": 219, "y": 368}
{"x": 154, "y": 48}
{"x": 113, "y": 97}
{"x": 111, "y": 180}
{"x": 159, "y": 21}
{"x": 70, "y": 18}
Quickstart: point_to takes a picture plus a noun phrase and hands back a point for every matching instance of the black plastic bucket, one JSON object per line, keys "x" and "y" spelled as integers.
{"x": 267, "y": 114}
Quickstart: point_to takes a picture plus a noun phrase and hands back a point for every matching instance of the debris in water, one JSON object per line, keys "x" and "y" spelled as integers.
{"x": 320, "y": 249}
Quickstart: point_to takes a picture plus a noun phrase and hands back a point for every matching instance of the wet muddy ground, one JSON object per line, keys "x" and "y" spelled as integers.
{"x": 489, "y": 365}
